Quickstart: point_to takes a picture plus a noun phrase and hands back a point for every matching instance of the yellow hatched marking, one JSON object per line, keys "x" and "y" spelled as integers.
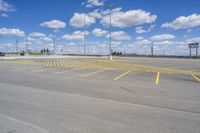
{"x": 195, "y": 77}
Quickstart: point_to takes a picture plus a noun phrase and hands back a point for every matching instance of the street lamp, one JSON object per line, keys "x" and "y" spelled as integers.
{"x": 110, "y": 32}
{"x": 84, "y": 32}
{"x": 54, "y": 46}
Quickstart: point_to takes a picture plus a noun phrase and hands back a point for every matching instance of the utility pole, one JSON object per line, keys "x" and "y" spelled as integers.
{"x": 110, "y": 32}
{"x": 84, "y": 32}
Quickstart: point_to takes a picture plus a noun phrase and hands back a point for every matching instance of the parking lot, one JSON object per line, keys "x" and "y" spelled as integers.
{"x": 140, "y": 95}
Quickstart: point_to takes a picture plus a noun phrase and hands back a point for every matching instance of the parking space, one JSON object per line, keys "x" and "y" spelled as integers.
{"x": 89, "y": 87}
{"x": 104, "y": 70}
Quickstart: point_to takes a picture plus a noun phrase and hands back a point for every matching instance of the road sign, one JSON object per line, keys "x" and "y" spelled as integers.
{"x": 193, "y": 45}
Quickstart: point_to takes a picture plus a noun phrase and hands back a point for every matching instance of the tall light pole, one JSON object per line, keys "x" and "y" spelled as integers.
{"x": 110, "y": 32}
{"x": 84, "y": 41}
{"x": 54, "y": 46}
{"x": 27, "y": 46}
{"x": 6, "y": 45}
{"x": 152, "y": 49}
{"x": 17, "y": 43}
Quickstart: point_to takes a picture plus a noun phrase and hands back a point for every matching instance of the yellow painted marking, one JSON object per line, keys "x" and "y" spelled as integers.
{"x": 89, "y": 74}
{"x": 157, "y": 78}
{"x": 195, "y": 77}
{"x": 57, "y": 73}
{"x": 122, "y": 75}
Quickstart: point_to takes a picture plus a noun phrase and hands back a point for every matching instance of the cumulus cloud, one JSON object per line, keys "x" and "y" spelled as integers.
{"x": 140, "y": 29}
{"x": 162, "y": 37}
{"x": 184, "y": 22}
{"x": 30, "y": 39}
{"x": 119, "y": 36}
{"x": 75, "y": 36}
{"x": 6, "y": 7}
{"x": 99, "y": 32}
{"x": 196, "y": 39}
{"x": 12, "y": 32}
{"x": 164, "y": 43}
{"x": 139, "y": 38}
{"x": 96, "y": 13}
{"x": 54, "y": 24}
{"x": 143, "y": 42}
{"x": 39, "y": 38}
{"x": 37, "y": 34}
{"x": 93, "y": 3}
{"x": 77, "y": 20}
{"x": 129, "y": 18}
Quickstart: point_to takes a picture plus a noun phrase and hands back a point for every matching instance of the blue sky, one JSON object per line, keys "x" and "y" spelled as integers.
{"x": 136, "y": 24}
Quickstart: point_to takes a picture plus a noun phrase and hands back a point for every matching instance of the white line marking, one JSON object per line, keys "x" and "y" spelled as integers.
{"x": 39, "y": 129}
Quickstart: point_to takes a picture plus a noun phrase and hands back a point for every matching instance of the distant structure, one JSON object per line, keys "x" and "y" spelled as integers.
{"x": 193, "y": 46}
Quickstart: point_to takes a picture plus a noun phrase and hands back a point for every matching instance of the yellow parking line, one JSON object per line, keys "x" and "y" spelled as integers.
{"x": 195, "y": 77}
{"x": 89, "y": 74}
{"x": 43, "y": 69}
{"x": 122, "y": 75}
{"x": 157, "y": 78}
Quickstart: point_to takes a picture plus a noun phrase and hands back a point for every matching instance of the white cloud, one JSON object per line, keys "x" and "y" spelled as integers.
{"x": 196, "y": 39}
{"x": 139, "y": 38}
{"x": 99, "y": 32}
{"x": 39, "y": 38}
{"x": 12, "y": 32}
{"x": 184, "y": 22}
{"x": 162, "y": 37}
{"x": 143, "y": 42}
{"x": 140, "y": 29}
{"x": 119, "y": 36}
{"x": 5, "y": 7}
{"x": 76, "y": 36}
{"x": 96, "y": 13}
{"x": 37, "y": 34}
{"x": 164, "y": 43}
{"x": 54, "y": 24}
{"x": 129, "y": 18}
{"x": 48, "y": 39}
{"x": 30, "y": 39}
{"x": 4, "y": 15}
{"x": 92, "y": 3}
{"x": 77, "y": 20}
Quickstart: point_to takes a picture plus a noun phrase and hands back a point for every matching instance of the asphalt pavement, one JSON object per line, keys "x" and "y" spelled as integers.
{"x": 94, "y": 95}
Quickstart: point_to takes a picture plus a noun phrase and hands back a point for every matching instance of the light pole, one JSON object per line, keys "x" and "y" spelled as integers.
{"x": 54, "y": 46}
{"x": 152, "y": 49}
{"x": 6, "y": 49}
{"x": 110, "y": 32}
{"x": 17, "y": 43}
{"x": 84, "y": 32}
{"x": 27, "y": 47}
